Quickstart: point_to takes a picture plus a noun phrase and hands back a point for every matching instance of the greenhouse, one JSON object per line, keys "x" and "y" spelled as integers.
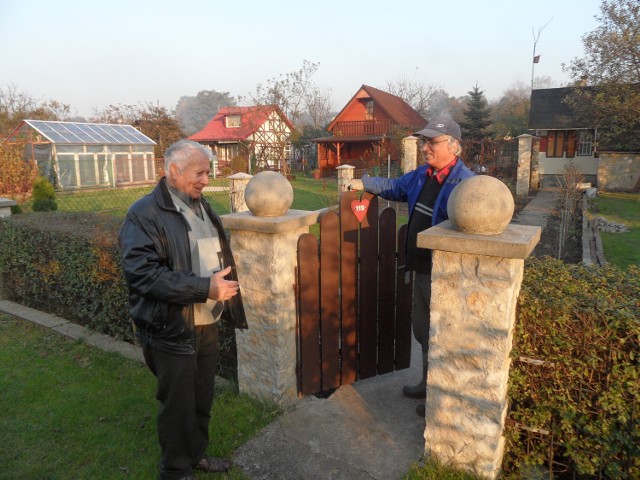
{"x": 87, "y": 155}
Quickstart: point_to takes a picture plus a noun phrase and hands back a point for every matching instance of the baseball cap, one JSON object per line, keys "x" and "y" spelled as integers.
{"x": 440, "y": 126}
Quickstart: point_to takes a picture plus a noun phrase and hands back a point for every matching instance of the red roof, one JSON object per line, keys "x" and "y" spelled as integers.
{"x": 252, "y": 119}
{"x": 395, "y": 107}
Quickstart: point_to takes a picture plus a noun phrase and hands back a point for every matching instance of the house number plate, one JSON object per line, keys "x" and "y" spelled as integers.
{"x": 359, "y": 208}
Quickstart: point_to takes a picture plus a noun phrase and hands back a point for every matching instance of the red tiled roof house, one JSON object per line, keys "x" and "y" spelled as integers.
{"x": 259, "y": 134}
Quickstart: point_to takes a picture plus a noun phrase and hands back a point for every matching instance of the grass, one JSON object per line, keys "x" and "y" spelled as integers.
{"x": 70, "y": 410}
{"x": 621, "y": 249}
{"x": 434, "y": 470}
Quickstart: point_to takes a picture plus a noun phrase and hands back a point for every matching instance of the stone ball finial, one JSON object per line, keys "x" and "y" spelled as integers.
{"x": 482, "y": 205}
{"x": 268, "y": 194}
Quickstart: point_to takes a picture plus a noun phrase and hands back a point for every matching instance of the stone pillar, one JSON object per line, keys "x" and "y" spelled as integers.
{"x": 237, "y": 184}
{"x": 5, "y": 206}
{"x": 535, "y": 164}
{"x": 265, "y": 252}
{"x": 475, "y": 283}
{"x": 524, "y": 165}
{"x": 409, "y": 154}
{"x": 345, "y": 175}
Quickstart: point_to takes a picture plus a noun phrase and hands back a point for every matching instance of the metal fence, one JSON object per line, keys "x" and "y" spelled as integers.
{"x": 309, "y": 194}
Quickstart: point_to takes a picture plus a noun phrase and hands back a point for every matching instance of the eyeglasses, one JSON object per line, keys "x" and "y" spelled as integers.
{"x": 429, "y": 141}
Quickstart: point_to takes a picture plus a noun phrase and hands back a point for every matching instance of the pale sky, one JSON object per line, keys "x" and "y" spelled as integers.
{"x": 90, "y": 54}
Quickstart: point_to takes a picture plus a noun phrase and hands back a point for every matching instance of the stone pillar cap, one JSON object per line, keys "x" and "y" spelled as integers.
{"x": 289, "y": 221}
{"x": 342, "y": 167}
{"x": 516, "y": 241}
{"x": 240, "y": 176}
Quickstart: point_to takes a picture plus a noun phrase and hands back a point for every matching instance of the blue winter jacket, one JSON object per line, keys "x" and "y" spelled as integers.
{"x": 407, "y": 188}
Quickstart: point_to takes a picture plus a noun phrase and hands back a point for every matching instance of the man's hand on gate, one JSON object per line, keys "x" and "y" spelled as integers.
{"x": 355, "y": 185}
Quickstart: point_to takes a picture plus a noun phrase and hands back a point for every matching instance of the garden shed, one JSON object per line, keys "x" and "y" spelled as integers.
{"x": 87, "y": 155}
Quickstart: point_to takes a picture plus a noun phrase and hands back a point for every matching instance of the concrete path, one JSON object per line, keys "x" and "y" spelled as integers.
{"x": 366, "y": 431}
{"x": 72, "y": 330}
{"x": 538, "y": 209}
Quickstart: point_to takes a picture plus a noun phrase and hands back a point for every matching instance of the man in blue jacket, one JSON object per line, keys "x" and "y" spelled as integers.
{"x": 426, "y": 190}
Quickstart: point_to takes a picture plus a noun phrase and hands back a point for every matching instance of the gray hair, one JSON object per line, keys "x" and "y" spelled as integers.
{"x": 180, "y": 151}
{"x": 455, "y": 144}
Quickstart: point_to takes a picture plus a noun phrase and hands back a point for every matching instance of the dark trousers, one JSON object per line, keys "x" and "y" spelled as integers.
{"x": 185, "y": 391}
{"x": 421, "y": 309}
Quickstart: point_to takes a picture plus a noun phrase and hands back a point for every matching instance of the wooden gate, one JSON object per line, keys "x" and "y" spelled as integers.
{"x": 354, "y": 309}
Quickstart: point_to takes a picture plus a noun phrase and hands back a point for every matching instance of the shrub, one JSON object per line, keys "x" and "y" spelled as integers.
{"x": 44, "y": 196}
{"x": 238, "y": 164}
{"x": 16, "y": 174}
{"x": 581, "y": 407}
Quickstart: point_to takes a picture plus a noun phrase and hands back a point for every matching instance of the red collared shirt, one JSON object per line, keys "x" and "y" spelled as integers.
{"x": 443, "y": 172}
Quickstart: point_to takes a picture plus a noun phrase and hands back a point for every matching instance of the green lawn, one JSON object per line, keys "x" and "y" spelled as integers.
{"x": 621, "y": 249}
{"x": 70, "y": 410}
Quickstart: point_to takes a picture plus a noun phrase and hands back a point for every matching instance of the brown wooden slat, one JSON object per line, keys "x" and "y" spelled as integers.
{"x": 387, "y": 286}
{"x": 330, "y": 299}
{"x": 403, "y": 307}
{"x": 309, "y": 304}
{"x": 368, "y": 291}
{"x": 349, "y": 247}
{"x": 571, "y": 144}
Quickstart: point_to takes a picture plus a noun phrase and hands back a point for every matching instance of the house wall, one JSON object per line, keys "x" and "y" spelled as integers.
{"x": 556, "y": 165}
{"x": 619, "y": 171}
{"x": 356, "y": 111}
{"x": 355, "y": 154}
{"x": 550, "y": 168}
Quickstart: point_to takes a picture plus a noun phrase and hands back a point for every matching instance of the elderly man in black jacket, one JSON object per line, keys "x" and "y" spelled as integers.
{"x": 182, "y": 281}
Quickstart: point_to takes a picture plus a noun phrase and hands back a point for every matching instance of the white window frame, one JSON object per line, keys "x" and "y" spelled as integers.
{"x": 585, "y": 143}
{"x": 369, "y": 106}
{"x": 233, "y": 121}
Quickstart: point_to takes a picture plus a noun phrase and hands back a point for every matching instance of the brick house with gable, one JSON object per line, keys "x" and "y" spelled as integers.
{"x": 361, "y": 134}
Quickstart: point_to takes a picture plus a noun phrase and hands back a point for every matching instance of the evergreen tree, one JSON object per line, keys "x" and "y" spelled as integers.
{"x": 477, "y": 116}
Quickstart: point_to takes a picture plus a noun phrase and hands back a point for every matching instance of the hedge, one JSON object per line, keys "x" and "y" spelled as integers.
{"x": 574, "y": 382}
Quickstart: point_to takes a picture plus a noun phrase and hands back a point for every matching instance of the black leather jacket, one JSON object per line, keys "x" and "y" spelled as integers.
{"x": 156, "y": 259}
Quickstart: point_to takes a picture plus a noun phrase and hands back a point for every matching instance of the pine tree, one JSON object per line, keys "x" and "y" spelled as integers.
{"x": 477, "y": 116}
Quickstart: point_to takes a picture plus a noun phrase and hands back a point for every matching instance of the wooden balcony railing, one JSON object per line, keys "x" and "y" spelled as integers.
{"x": 361, "y": 127}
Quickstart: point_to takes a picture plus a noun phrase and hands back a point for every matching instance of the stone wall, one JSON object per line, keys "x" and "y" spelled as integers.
{"x": 619, "y": 171}
{"x": 469, "y": 358}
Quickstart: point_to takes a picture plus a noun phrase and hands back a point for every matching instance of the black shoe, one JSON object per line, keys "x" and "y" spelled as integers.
{"x": 420, "y": 410}
{"x": 415, "y": 391}
{"x": 213, "y": 465}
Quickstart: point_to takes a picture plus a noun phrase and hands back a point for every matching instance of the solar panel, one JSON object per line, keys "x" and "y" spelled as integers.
{"x": 90, "y": 133}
